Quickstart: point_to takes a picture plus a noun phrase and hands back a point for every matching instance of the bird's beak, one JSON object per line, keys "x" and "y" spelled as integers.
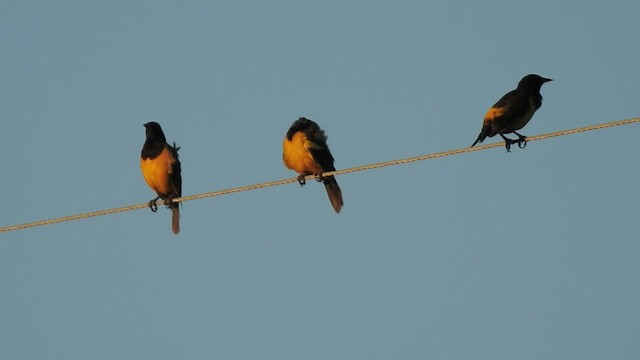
{"x": 545, "y": 79}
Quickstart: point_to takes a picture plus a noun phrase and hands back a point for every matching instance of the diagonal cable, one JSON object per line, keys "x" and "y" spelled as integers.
{"x": 337, "y": 172}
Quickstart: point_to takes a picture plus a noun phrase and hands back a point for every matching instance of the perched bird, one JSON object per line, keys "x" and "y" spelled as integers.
{"x": 161, "y": 170}
{"x": 513, "y": 111}
{"x": 305, "y": 151}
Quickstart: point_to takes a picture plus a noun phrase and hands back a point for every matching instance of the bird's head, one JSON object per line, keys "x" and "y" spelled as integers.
{"x": 154, "y": 131}
{"x": 532, "y": 81}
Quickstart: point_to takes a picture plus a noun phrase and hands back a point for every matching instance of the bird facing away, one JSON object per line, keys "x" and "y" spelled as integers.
{"x": 513, "y": 111}
{"x": 305, "y": 151}
{"x": 161, "y": 170}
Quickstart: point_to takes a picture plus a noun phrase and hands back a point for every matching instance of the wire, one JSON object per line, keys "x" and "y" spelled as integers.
{"x": 337, "y": 172}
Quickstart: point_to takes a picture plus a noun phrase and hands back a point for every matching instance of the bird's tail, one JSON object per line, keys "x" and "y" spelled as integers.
{"x": 175, "y": 218}
{"x": 334, "y": 192}
{"x": 486, "y": 130}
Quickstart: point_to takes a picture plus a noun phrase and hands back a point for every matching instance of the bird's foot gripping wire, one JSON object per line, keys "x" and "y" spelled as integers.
{"x": 301, "y": 179}
{"x": 522, "y": 140}
{"x": 318, "y": 177}
{"x": 508, "y": 142}
{"x": 153, "y": 204}
{"x": 168, "y": 202}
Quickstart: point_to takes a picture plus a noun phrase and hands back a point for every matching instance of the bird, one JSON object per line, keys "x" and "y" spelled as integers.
{"x": 161, "y": 170}
{"x": 513, "y": 111}
{"x": 305, "y": 151}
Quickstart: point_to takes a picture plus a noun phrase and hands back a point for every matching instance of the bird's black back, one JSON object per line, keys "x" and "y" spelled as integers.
{"x": 176, "y": 170}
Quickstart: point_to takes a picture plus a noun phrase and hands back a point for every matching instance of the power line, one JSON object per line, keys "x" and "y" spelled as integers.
{"x": 337, "y": 172}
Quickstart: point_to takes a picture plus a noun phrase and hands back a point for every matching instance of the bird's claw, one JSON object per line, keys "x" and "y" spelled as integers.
{"x": 318, "y": 177}
{"x": 168, "y": 202}
{"x": 522, "y": 142}
{"x": 302, "y": 180}
{"x": 507, "y": 145}
{"x": 153, "y": 205}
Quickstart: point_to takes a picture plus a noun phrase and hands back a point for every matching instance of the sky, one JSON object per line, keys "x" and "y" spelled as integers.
{"x": 531, "y": 254}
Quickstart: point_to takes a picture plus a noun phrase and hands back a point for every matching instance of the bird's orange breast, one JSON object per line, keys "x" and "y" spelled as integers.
{"x": 296, "y": 155}
{"x": 157, "y": 172}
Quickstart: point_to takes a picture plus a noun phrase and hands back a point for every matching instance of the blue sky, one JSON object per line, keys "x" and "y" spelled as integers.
{"x": 528, "y": 255}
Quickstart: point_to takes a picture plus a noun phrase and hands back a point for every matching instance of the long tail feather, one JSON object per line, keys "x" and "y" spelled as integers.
{"x": 175, "y": 219}
{"x": 334, "y": 192}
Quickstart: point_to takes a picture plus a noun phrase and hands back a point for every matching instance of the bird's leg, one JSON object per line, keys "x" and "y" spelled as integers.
{"x": 522, "y": 140}
{"x": 319, "y": 177}
{"x": 153, "y": 204}
{"x": 508, "y": 142}
{"x": 301, "y": 179}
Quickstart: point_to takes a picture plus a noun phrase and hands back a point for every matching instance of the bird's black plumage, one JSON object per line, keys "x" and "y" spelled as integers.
{"x": 513, "y": 111}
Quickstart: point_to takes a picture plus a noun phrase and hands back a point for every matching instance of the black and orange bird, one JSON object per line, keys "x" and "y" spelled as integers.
{"x": 161, "y": 170}
{"x": 305, "y": 151}
{"x": 513, "y": 111}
